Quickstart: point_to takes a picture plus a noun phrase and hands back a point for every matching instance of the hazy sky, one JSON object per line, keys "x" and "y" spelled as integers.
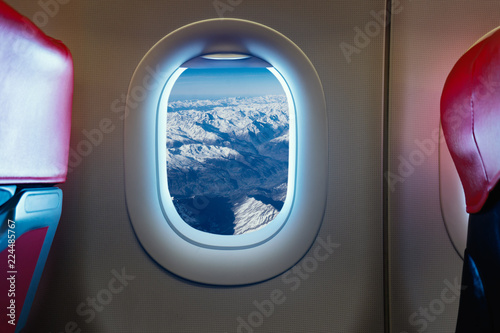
{"x": 225, "y": 82}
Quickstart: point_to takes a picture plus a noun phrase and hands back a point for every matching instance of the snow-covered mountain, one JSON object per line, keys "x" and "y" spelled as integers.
{"x": 227, "y": 161}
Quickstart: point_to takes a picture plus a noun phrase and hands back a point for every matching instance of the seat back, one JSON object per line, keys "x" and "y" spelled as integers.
{"x": 36, "y": 88}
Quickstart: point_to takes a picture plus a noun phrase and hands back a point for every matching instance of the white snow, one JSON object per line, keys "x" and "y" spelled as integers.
{"x": 252, "y": 215}
{"x": 233, "y": 148}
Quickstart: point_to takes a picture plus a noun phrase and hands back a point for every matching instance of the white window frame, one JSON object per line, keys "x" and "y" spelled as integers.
{"x": 205, "y": 239}
{"x": 222, "y": 259}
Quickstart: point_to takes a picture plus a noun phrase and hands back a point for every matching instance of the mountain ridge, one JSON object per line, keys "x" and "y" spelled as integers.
{"x": 230, "y": 149}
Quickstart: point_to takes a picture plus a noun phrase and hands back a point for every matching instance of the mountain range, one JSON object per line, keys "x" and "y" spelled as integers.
{"x": 227, "y": 161}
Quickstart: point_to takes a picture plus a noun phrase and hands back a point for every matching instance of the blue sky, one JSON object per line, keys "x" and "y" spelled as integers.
{"x": 225, "y": 82}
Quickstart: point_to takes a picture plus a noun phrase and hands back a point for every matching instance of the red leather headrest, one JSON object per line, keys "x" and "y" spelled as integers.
{"x": 470, "y": 116}
{"x": 36, "y": 90}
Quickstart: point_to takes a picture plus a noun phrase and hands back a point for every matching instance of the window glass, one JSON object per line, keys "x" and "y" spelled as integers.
{"x": 227, "y": 145}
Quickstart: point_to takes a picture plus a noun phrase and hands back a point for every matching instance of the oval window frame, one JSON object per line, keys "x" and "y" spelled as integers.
{"x": 201, "y": 238}
{"x": 208, "y": 261}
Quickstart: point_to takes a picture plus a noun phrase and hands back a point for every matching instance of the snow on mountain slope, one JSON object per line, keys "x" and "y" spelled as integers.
{"x": 251, "y": 215}
{"x": 233, "y": 149}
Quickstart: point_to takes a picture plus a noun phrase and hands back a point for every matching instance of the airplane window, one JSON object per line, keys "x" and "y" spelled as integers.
{"x": 226, "y": 152}
{"x": 227, "y": 142}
